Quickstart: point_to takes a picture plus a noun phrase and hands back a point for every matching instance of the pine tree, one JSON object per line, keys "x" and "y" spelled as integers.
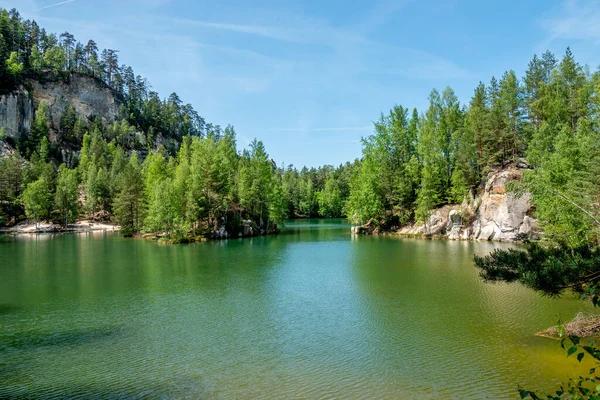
{"x": 68, "y": 120}
{"x": 433, "y": 175}
{"x": 514, "y": 140}
{"x": 129, "y": 202}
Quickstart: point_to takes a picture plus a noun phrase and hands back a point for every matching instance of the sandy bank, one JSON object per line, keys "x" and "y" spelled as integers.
{"x": 47, "y": 227}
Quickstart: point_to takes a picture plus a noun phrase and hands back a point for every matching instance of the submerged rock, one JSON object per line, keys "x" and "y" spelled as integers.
{"x": 583, "y": 325}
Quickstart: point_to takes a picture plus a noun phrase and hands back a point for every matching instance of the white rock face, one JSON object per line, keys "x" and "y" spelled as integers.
{"x": 493, "y": 214}
{"x": 16, "y": 113}
{"x": 454, "y": 225}
{"x": 88, "y": 96}
{"x": 503, "y": 216}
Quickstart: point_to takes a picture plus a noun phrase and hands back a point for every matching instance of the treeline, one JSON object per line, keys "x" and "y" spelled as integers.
{"x": 205, "y": 187}
{"x": 317, "y": 192}
{"x": 204, "y": 182}
{"x": 417, "y": 161}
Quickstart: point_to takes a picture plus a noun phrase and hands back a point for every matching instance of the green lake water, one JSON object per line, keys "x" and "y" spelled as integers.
{"x": 312, "y": 313}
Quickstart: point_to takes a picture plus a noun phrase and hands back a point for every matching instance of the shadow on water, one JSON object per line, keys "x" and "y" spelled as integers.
{"x": 32, "y": 340}
{"x": 20, "y": 344}
{"x": 8, "y": 309}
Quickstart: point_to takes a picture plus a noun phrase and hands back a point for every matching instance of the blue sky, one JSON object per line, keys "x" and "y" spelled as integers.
{"x": 308, "y": 78}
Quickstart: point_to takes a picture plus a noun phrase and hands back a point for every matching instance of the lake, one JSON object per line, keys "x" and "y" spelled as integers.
{"x": 311, "y": 313}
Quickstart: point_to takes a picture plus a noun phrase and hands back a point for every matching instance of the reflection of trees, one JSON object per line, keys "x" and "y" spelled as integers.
{"x": 196, "y": 307}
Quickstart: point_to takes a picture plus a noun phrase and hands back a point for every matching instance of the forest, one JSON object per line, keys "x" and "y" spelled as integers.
{"x": 547, "y": 120}
{"x": 162, "y": 168}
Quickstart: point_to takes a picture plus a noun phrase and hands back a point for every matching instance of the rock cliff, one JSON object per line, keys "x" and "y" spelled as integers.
{"x": 16, "y": 113}
{"x": 493, "y": 214}
{"x": 87, "y": 95}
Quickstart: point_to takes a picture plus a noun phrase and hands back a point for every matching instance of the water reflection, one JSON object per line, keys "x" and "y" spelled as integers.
{"x": 310, "y": 313}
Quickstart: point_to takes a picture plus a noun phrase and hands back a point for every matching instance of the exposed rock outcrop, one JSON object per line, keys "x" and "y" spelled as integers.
{"x": 88, "y": 96}
{"x": 503, "y": 216}
{"x": 365, "y": 229}
{"x": 16, "y": 113}
{"x": 5, "y": 149}
{"x": 494, "y": 214}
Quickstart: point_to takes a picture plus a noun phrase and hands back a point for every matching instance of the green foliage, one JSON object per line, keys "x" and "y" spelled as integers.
{"x": 37, "y": 200}
{"x": 39, "y": 128}
{"x": 55, "y": 58}
{"x": 512, "y": 139}
{"x": 162, "y": 208}
{"x": 255, "y": 182}
{"x": 129, "y": 197}
{"x": 96, "y": 188}
{"x": 550, "y": 270}
{"x": 434, "y": 153}
{"x": 14, "y": 65}
{"x": 67, "y": 191}
{"x": 366, "y": 199}
{"x": 565, "y": 186}
{"x": 277, "y": 207}
{"x": 11, "y": 180}
{"x": 67, "y": 124}
{"x": 330, "y": 199}
{"x": 390, "y": 169}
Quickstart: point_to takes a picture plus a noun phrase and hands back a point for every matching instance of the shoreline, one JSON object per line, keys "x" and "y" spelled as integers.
{"x": 363, "y": 230}
{"x": 82, "y": 226}
{"x": 86, "y": 226}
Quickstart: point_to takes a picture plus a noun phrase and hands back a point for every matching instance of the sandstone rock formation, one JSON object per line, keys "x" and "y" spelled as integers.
{"x": 87, "y": 95}
{"x": 501, "y": 215}
{"x": 16, "y": 113}
{"x": 494, "y": 214}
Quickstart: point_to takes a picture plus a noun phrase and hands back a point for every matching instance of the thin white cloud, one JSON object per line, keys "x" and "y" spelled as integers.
{"x": 350, "y": 50}
{"x": 56, "y": 4}
{"x": 381, "y": 13}
{"x": 573, "y": 20}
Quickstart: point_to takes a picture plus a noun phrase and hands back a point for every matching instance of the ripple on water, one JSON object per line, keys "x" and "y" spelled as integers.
{"x": 310, "y": 314}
